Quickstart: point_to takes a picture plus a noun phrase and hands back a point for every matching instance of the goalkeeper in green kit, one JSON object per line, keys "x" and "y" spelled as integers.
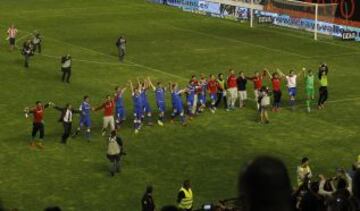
{"x": 309, "y": 88}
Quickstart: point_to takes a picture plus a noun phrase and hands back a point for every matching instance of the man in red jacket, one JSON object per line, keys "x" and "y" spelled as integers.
{"x": 38, "y": 122}
{"x": 231, "y": 89}
{"x": 108, "y": 107}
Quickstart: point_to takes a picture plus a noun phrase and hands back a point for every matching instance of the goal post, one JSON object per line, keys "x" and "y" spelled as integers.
{"x": 301, "y": 15}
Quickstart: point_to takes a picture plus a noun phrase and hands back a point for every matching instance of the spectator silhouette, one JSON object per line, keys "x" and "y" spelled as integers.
{"x": 55, "y": 208}
{"x": 265, "y": 186}
{"x": 355, "y": 199}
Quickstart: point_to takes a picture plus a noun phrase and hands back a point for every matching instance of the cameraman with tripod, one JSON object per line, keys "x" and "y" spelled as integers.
{"x": 27, "y": 52}
{"x": 66, "y": 68}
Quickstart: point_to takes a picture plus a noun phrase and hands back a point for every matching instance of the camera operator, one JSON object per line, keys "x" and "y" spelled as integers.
{"x": 264, "y": 102}
{"x": 66, "y": 63}
{"x": 147, "y": 201}
{"x": 36, "y": 41}
{"x": 27, "y": 52}
{"x": 121, "y": 45}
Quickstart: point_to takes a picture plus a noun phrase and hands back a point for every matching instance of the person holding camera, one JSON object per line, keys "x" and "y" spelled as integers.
{"x": 303, "y": 171}
{"x": 185, "y": 197}
{"x": 27, "y": 52}
{"x": 264, "y": 102}
{"x": 66, "y": 62}
{"x": 36, "y": 41}
{"x": 147, "y": 201}
{"x": 114, "y": 152}
{"x": 121, "y": 45}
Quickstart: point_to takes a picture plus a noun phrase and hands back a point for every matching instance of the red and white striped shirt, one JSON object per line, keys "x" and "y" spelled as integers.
{"x": 12, "y": 32}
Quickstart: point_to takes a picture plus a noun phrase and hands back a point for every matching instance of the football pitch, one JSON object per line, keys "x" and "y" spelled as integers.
{"x": 167, "y": 45}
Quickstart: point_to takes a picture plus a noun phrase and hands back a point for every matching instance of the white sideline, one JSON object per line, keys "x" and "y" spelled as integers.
{"x": 91, "y": 61}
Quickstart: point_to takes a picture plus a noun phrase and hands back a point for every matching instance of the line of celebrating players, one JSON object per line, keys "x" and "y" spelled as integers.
{"x": 218, "y": 89}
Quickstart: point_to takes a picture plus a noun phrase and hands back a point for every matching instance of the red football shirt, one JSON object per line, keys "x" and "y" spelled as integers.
{"x": 197, "y": 86}
{"x": 276, "y": 84}
{"x": 232, "y": 81}
{"x": 38, "y": 113}
{"x": 257, "y": 82}
{"x": 213, "y": 86}
{"x": 108, "y": 108}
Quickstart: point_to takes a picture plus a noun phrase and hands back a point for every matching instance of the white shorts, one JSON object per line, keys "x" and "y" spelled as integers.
{"x": 232, "y": 93}
{"x": 256, "y": 94}
{"x": 242, "y": 95}
{"x": 109, "y": 120}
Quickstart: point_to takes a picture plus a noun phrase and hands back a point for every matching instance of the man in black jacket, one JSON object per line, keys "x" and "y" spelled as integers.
{"x": 66, "y": 118}
{"x": 147, "y": 201}
{"x": 27, "y": 52}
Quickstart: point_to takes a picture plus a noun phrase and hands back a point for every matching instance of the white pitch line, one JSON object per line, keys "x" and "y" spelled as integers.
{"x": 111, "y": 56}
{"x": 22, "y": 37}
{"x": 238, "y": 41}
{"x": 90, "y": 61}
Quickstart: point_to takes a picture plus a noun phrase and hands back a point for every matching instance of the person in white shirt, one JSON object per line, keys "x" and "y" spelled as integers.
{"x": 291, "y": 84}
{"x": 114, "y": 152}
{"x": 303, "y": 171}
{"x": 66, "y": 118}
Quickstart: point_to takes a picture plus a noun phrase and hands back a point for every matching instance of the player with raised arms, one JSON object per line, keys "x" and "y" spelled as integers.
{"x": 291, "y": 80}
{"x": 212, "y": 87}
{"x": 138, "y": 107}
{"x": 119, "y": 106}
{"x": 178, "y": 109}
{"x": 160, "y": 100}
{"x": 202, "y": 95}
{"x": 85, "y": 120}
{"x": 144, "y": 86}
{"x": 190, "y": 98}
{"x": 257, "y": 79}
{"x": 276, "y": 89}
{"x": 108, "y": 119}
{"x": 309, "y": 79}
{"x": 38, "y": 122}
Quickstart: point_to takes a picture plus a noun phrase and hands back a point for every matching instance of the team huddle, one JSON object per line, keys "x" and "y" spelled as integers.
{"x": 197, "y": 96}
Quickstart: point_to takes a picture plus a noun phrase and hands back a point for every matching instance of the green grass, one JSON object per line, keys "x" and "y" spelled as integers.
{"x": 166, "y": 44}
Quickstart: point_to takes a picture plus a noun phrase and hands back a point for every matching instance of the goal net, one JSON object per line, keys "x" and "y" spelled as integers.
{"x": 302, "y": 15}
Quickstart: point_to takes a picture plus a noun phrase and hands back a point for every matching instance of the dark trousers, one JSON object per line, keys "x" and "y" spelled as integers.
{"x": 121, "y": 54}
{"x": 218, "y": 100}
{"x": 323, "y": 95}
{"x": 66, "y": 74}
{"x": 37, "y": 47}
{"x": 38, "y": 126}
{"x": 67, "y": 131}
{"x": 27, "y": 58}
{"x": 277, "y": 98}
